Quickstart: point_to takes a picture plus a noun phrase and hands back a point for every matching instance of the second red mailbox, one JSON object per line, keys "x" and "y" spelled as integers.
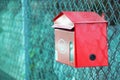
{"x": 81, "y": 39}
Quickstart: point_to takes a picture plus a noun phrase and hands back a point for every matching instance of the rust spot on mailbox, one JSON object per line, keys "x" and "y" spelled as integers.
{"x": 81, "y": 39}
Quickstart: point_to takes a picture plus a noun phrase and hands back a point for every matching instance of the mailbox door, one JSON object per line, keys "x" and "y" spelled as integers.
{"x": 64, "y": 44}
{"x": 91, "y": 44}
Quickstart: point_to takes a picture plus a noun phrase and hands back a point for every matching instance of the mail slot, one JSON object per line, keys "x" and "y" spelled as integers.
{"x": 81, "y": 39}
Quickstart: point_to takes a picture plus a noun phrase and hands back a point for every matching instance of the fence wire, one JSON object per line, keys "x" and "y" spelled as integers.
{"x": 27, "y": 40}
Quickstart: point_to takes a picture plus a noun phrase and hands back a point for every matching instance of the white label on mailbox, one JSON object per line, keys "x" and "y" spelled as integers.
{"x": 56, "y": 55}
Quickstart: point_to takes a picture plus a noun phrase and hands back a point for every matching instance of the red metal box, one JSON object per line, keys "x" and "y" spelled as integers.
{"x": 81, "y": 39}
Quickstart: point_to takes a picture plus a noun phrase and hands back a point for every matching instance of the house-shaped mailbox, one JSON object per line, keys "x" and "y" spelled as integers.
{"x": 81, "y": 39}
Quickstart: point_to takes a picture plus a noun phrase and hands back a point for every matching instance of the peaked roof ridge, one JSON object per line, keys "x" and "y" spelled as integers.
{"x": 81, "y": 17}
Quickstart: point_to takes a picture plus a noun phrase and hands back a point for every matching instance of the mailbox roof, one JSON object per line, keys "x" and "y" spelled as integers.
{"x": 81, "y": 17}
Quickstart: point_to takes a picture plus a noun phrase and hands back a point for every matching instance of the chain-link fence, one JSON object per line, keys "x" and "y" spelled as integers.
{"x": 27, "y": 40}
{"x": 12, "y": 59}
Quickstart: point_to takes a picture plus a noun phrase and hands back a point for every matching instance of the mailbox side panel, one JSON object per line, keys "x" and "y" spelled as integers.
{"x": 91, "y": 44}
{"x": 64, "y": 41}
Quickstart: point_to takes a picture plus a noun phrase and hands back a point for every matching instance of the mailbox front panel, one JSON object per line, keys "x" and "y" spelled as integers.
{"x": 91, "y": 44}
{"x": 64, "y": 46}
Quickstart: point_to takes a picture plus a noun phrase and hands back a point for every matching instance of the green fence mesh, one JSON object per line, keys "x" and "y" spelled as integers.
{"x": 12, "y": 55}
{"x": 27, "y": 40}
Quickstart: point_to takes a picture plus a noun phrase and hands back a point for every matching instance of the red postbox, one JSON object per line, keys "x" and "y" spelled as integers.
{"x": 81, "y": 39}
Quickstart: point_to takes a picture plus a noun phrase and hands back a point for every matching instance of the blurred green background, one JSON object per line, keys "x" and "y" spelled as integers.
{"x": 27, "y": 40}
